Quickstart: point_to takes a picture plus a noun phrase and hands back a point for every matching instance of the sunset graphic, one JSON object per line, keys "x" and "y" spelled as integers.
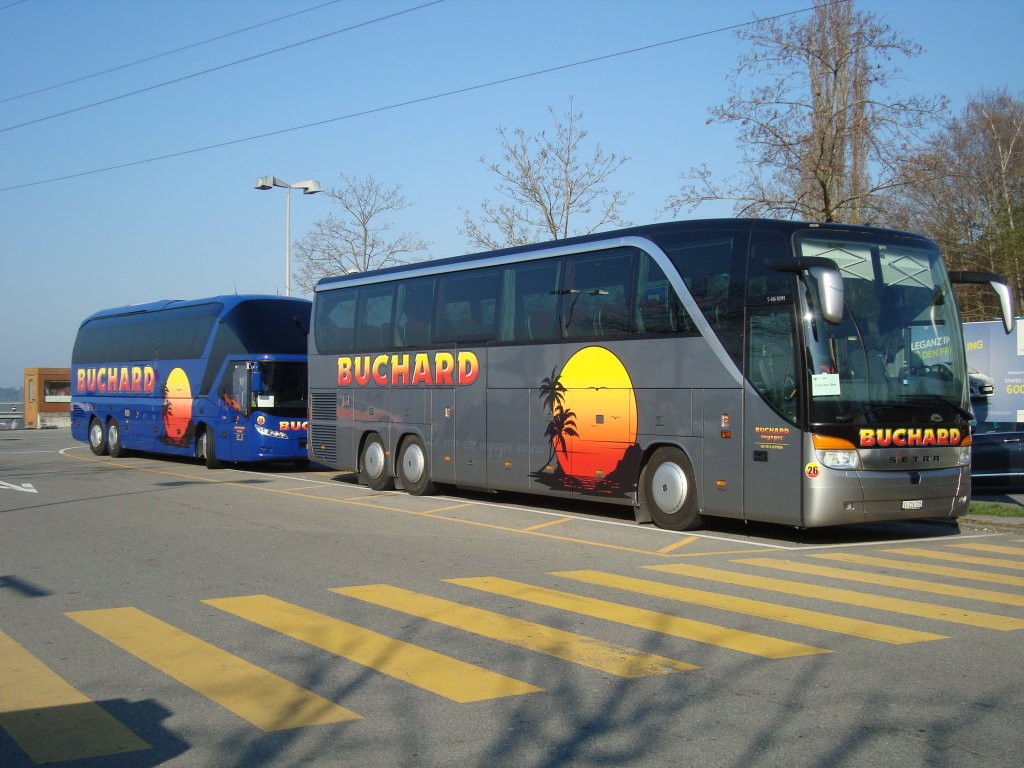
{"x": 593, "y": 416}
{"x": 177, "y": 406}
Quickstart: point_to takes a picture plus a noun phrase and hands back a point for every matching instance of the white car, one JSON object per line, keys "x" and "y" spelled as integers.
{"x": 981, "y": 386}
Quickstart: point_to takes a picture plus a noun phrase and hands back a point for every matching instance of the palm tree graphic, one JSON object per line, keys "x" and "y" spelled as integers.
{"x": 563, "y": 420}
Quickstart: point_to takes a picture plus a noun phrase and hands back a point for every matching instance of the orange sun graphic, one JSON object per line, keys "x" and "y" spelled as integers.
{"x": 177, "y": 404}
{"x": 599, "y": 392}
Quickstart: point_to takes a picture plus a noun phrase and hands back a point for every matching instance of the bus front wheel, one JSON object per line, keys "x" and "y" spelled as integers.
{"x": 373, "y": 465}
{"x": 668, "y": 492}
{"x": 114, "y": 440}
{"x": 414, "y": 467}
{"x": 206, "y": 449}
{"x": 97, "y": 437}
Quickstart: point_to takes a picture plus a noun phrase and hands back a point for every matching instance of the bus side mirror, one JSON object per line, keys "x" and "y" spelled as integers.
{"x": 828, "y": 277}
{"x": 1003, "y": 291}
{"x": 257, "y": 379}
{"x": 830, "y": 291}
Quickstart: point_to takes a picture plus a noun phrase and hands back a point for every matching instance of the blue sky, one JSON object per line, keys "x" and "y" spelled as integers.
{"x": 193, "y": 226}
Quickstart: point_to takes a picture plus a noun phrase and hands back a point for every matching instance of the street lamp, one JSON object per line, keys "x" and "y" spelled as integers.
{"x": 308, "y": 187}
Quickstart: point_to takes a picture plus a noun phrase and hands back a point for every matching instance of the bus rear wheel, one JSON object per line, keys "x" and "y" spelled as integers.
{"x": 97, "y": 437}
{"x": 414, "y": 468}
{"x": 114, "y": 440}
{"x": 373, "y": 465}
{"x": 668, "y": 492}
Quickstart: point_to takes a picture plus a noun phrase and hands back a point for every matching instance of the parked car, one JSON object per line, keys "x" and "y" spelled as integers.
{"x": 997, "y": 455}
{"x": 981, "y": 386}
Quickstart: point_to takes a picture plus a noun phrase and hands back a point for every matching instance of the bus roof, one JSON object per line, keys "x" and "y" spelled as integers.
{"x": 228, "y": 301}
{"x": 778, "y": 225}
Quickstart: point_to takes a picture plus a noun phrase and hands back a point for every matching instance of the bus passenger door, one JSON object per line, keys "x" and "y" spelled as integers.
{"x": 232, "y": 411}
{"x": 773, "y": 451}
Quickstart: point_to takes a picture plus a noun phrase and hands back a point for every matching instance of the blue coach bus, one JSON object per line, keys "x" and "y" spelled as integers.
{"x": 220, "y": 379}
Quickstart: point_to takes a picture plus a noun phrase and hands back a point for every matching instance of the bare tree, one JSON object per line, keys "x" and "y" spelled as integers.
{"x": 820, "y": 141}
{"x": 550, "y": 189}
{"x": 972, "y": 200}
{"x": 360, "y": 238}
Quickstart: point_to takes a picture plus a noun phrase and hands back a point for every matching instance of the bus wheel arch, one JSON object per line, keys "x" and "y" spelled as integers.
{"x": 414, "y": 467}
{"x": 206, "y": 447}
{"x": 98, "y": 436}
{"x": 115, "y": 445}
{"x": 668, "y": 489}
{"x": 373, "y": 464}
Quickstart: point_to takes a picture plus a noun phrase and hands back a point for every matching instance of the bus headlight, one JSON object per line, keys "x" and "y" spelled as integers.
{"x": 836, "y": 453}
{"x": 964, "y": 457}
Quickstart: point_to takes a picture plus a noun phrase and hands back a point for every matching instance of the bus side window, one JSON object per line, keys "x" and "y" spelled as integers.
{"x": 336, "y": 321}
{"x": 771, "y": 357}
{"x": 234, "y": 387}
{"x": 659, "y": 310}
{"x": 596, "y": 295}
{"x": 530, "y": 301}
{"x": 467, "y": 305}
{"x": 412, "y": 315}
{"x": 374, "y": 316}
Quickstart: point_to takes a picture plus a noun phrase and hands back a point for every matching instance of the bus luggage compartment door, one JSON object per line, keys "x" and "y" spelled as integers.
{"x": 722, "y": 465}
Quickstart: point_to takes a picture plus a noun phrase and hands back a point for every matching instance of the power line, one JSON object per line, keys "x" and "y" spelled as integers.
{"x": 11, "y": 5}
{"x": 408, "y": 103}
{"x": 159, "y": 55}
{"x": 219, "y": 67}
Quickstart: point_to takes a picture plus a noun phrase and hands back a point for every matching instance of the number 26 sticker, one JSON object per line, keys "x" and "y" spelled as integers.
{"x": 812, "y": 470}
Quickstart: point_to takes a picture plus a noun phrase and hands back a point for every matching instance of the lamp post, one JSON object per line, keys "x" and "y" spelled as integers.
{"x": 308, "y": 187}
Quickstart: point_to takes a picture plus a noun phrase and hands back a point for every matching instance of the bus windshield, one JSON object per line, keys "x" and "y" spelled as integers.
{"x": 897, "y": 356}
{"x": 284, "y": 388}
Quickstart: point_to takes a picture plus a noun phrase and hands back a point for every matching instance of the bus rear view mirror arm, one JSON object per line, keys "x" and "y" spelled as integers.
{"x": 828, "y": 277}
{"x": 1003, "y": 291}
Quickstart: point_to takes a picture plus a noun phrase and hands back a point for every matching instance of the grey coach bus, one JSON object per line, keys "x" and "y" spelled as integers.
{"x": 804, "y": 374}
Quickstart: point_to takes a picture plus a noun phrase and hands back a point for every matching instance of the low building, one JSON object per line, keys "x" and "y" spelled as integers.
{"x": 47, "y": 398}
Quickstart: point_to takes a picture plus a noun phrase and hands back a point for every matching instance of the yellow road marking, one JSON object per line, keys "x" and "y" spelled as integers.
{"x": 426, "y": 669}
{"x": 269, "y": 702}
{"x": 607, "y": 657}
{"x": 938, "y": 570}
{"x": 993, "y": 548}
{"x": 449, "y": 508}
{"x": 867, "y": 629}
{"x": 956, "y": 557}
{"x": 548, "y": 524}
{"x": 378, "y": 507}
{"x": 678, "y": 544}
{"x": 888, "y": 580}
{"x": 652, "y": 621}
{"x": 51, "y": 720}
{"x": 847, "y": 596}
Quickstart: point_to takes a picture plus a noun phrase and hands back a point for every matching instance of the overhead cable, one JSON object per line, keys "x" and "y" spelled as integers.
{"x": 410, "y": 102}
{"x": 218, "y": 68}
{"x": 161, "y": 55}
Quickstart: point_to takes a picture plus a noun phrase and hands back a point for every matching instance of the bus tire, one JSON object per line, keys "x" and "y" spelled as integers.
{"x": 114, "y": 440}
{"x": 97, "y": 437}
{"x": 206, "y": 449}
{"x": 373, "y": 465}
{"x": 414, "y": 468}
{"x": 668, "y": 492}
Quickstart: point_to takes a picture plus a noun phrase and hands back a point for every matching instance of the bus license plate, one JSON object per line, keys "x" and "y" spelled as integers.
{"x": 914, "y": 504}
